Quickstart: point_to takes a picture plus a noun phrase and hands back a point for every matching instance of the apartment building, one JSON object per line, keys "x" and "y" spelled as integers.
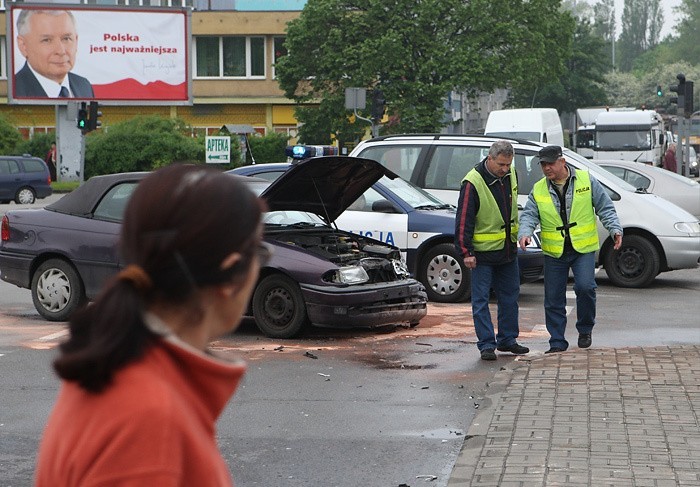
{"x": 234, "y": 47}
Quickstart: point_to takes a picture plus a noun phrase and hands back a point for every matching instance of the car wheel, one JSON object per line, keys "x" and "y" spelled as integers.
{"x": 25, "y": 196}
{"x": 635, "y": 265}
{"x": 57, "y": 290}
{"x": 444, "y": 275}
{"x": 278, "y": 307}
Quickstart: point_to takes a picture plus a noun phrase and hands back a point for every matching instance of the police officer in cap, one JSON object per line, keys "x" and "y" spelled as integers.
{"x": 565, "y": 203}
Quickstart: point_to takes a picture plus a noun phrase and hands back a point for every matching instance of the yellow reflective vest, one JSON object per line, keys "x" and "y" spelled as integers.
{"x": 489, "y": 229}
{"x": 582, "y": 220}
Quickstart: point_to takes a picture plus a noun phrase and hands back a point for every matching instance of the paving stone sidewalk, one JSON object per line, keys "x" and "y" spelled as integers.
{"x": 597, "y": 417}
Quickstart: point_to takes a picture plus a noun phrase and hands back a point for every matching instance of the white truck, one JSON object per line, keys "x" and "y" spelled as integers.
{"x": 635, "y": 135}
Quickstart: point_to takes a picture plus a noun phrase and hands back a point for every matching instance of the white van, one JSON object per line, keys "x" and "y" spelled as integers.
{"x": 659, "y": 236}
{"x": 536, "y": 124}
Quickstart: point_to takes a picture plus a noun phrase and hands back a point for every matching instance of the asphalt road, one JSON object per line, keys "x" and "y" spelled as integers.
{"x": 343, "y": 408}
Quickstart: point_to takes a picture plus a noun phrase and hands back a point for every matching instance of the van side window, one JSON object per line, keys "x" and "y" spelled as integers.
{"x": 401, "y": 160}
{"x": 33, "y": 165}
{"x": 449, "y": 165}
{"x": 9, "y": 166}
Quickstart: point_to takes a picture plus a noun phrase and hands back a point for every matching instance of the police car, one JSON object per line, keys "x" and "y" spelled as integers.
{"x": 398, "y": 213}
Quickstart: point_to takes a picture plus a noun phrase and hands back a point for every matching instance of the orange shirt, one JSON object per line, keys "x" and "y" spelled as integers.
{"x": 154, "y": 425}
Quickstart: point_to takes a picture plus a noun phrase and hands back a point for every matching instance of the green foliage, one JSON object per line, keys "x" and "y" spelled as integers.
{"x": 140, "y": 144}
{"x": 639, "y": 88}
{"x": 687, "y": 46}
{"x": 580, "y": 85}
{"x": 270, "y": 148}
{"x": 38, "y": 146}
{"x": 416, "y": 52}
{"x": 10, "y": 138}
{"x": 641, "y": 26}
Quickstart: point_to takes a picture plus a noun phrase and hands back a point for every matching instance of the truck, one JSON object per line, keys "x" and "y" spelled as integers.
{"x": 635, "y": 135}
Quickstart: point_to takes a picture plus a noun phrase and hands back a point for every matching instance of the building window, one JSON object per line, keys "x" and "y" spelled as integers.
{"x": 3, "y": 50}
{"x": 280, "y": 50}
{"x": 230, "y": 57}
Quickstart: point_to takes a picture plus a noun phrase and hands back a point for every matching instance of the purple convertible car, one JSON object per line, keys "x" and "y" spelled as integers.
{"x": 318, "y": 274}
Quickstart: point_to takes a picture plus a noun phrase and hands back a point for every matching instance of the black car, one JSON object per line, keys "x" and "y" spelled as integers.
{"x": 318, "y": 274}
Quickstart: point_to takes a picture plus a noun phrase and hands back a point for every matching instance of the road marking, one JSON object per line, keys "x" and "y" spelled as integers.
{"x": 52, "y": 336}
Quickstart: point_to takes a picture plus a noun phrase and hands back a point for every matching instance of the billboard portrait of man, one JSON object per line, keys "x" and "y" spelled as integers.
{"x": 48, "y": 40}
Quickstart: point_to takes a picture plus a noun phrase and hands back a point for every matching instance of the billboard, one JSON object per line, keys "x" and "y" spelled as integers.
{"x": 112, "y": 55}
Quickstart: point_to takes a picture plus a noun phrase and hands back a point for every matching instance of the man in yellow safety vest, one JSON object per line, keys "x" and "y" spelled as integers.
{"x": 486, "y": 230}
{"x": 565, "y": 204}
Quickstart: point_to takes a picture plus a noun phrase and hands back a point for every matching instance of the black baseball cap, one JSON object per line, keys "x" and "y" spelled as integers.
{"x": 550, "y": 153}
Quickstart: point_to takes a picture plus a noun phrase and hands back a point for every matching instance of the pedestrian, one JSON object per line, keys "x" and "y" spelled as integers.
{"x": 670, "y": 158}
{"x": 51, "y": 161}
{"x": 565, "y": 203}
{"x": 486, "y": 239}
{"x": 140, "y": 389}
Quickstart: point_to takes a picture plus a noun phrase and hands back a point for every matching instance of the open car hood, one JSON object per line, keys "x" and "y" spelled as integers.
{"x": 325, "y": 186}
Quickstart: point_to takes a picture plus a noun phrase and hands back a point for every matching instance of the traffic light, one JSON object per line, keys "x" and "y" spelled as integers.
{"x": 659, "y": 91}
{"x": 378, "y": 103}
{"x": 688, "y": 102}
{"x": 679, "y": 89}
{"x": 93, "y": 121}
{"x": 83, "y": 117}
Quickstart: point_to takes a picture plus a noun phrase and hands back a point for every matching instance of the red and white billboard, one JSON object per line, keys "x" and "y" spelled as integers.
{"x": 111, "y": 55}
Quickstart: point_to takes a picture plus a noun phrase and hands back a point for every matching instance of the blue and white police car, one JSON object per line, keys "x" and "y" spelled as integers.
{"x": 398, "y": 213}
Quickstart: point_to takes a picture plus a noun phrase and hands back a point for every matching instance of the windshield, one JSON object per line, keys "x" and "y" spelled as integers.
{"x": 599, "y": 173}
{"x": 411, "y": 194}
{"x": 534, "y": 136}
{"x": 291, "y": 217}
{"x": 633, "y": 139}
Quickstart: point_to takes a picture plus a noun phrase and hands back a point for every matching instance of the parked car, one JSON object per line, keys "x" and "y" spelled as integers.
{"x": 318, "y": 274}
{"x": 399, "y": 213}
{"x": 677, "y": 189}
{"x": 23, "y": 179}
{"x": 659, "y": 236}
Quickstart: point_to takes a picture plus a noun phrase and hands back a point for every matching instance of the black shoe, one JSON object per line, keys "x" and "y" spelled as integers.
{"x": 514, "y": 349}
{"x": 584, "y": 340}
{"x": 555, "y": 350}
{"x": 488, "y": 354}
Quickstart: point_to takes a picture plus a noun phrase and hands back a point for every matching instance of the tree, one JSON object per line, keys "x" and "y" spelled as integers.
{"x": 38, "y": 146}
{"x": 581, "y": 84}
{"x": 268, "y": 148}
{"x": 10, "y": 137}
{"x": 688, "y": 44}
{"x": 416, "y": 52}
{"x": 641, "y": 26}
{"x": 140, "y": 144}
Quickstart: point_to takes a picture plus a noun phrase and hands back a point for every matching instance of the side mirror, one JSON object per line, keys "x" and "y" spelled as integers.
{"x": 383, "y": 206}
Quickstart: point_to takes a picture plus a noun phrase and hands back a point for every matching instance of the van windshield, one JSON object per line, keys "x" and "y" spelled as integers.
{"x": 623, "y": 140}
{"x": 534, "y": 136}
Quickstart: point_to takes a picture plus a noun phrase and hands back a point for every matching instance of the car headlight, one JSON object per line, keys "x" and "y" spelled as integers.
{"x": 691, "y": 228}
{"x": 352, "y": 274}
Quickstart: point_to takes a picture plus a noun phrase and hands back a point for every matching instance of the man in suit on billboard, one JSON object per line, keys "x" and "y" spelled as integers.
{"x": 49, "y": 41}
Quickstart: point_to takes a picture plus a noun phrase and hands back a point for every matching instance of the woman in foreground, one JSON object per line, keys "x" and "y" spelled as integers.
{"x": 141, "y": 393}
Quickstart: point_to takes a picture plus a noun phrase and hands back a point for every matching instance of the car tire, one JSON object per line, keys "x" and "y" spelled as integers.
{"x": 25, "y": 196}
{"x": 635, "y": 265}
{"x": 57, "y": 290}
{"x": 444, "y": 275}
{"x": 278, "y": 307}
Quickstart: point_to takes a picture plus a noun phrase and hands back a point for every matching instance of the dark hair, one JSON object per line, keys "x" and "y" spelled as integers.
{"x": 180, "y": 224}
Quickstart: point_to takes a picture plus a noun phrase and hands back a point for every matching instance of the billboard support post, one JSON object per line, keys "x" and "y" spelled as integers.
{"x": 70, "y": 144}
